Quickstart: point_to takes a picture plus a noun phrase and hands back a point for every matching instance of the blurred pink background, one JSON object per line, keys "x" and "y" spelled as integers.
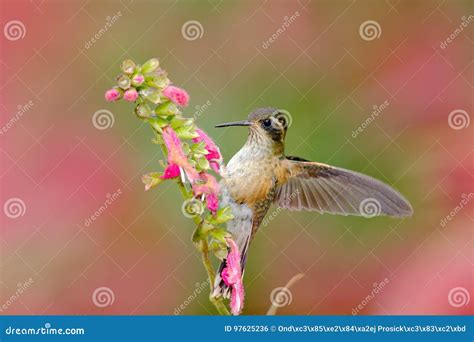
{"x": 58, "y": 169}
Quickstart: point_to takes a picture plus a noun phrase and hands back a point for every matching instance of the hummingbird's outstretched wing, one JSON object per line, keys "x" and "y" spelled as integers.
{"x": 325, "y": 188}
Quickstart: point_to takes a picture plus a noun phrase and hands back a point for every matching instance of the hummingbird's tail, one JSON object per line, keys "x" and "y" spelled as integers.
{"x": 220, "y": 289}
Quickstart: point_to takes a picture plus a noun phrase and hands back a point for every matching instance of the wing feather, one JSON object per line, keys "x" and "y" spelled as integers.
{"x": 325, "y": 188}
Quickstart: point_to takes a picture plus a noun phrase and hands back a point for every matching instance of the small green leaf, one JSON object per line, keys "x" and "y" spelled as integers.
{"x": 203, "y": 163}
{"x": 158, "y": 123}
{"x": 186, "y": 132}
{"x": 197, "y": 147}
{"x": 151, "y": 180}
{"x": 186, "y": 148}
{"x": 219, "y": 249}
{"x": 151, "y": 65}
{"x": 197, "y": 235}
{"x": 223, "y": 215}
{"x": 167, "y": 108}
{"x": 201, "y": 231}
{"x": 177, "y": 122}
{"x": 220, "y": 234}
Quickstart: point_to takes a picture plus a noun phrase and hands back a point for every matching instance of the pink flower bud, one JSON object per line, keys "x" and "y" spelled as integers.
{"x": 112, "y": 95}
{"x": 213, "y": 154}
{"x": 138, "y": 80}
{"x": 177, "y": 95}
{"x": 130, "y": 95}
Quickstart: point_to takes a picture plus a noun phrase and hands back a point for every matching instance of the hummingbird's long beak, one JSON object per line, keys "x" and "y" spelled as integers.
{"x": 237, "y": 123}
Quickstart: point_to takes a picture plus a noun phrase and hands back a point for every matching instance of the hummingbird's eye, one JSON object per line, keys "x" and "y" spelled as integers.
{"x": 267, "y": 122}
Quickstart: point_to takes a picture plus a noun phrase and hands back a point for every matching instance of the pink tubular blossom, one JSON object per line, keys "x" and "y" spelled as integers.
{"x": 207, "y": 185}
{"x": 130, "y": 95}
{"x": 212, "y": 203}
{"x": 232, "y": 276}
{"x": 213, "y": 153}
{"x": 176, "y": 157}
{"x": 112, "y": 95}
{"x": 177, "y": 95}
{"x": 171, "y": 171}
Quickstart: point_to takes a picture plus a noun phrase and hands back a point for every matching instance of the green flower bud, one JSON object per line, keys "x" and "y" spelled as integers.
{"x": 167, "y": 108}
{"x": 158, "y": 79}
{"x": 151, "y": 95}
{"x": 128, "y": 66}
{"x": 143, "y": 111}
{"x": 137, "y": 80}
{"x": 150, "y": 65}
{"x": 123, "y": 82}
{"x": 203, "y": 163}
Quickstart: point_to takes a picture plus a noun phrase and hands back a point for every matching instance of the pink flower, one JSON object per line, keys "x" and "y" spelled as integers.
{"x": 212, "y": 203}
{"x": 232, "y": 276}
{"x": 112, "y": 95}
{"x": 176, "y": 157}
{"x": 177, "y": 95}
{"x": 207, "y": 185}
{"x": 130, "y": 95}
{"x": 171, "y": 171}
{"x": 213, "y": 153}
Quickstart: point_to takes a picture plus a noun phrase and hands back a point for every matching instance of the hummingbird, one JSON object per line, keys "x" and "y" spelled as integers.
{"x": 261, "y": 174}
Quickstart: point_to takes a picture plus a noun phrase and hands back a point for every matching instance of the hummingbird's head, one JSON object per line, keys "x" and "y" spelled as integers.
{"x": 265, "y": 125}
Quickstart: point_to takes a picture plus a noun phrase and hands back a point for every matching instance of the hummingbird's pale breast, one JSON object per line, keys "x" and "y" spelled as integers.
{"x": 253, "y": 172}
